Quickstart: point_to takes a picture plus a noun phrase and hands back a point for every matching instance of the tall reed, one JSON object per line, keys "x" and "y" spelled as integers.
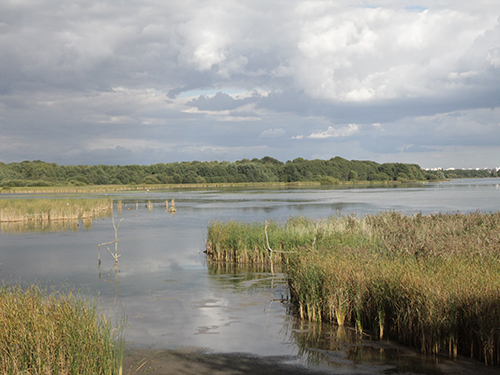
{"x": 26, "y": 210}
{"x": 56, "y": 334}
{"x": 430, "y": 281}
{"x": 239, "y": 242}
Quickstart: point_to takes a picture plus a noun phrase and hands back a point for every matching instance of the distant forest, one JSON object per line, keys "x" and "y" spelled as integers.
{"x": 267, "y": 169}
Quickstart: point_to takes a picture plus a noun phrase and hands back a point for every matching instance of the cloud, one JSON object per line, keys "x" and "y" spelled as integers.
{"x": 361, "y": 54}
{"x": 185, "y": 76}
{"x": 493, "y": 57}
{"x": 272, "y": 133}
{"x": 409, "y": 148}
{"x": 345, "y": 131}
{"x": 219, "y": 102}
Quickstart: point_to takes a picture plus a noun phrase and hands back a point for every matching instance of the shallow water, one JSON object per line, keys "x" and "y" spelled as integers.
{"x": 173, "y": 299}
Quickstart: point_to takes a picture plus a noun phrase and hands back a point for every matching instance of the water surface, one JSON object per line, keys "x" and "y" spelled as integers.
{"x": 174, "y": 299}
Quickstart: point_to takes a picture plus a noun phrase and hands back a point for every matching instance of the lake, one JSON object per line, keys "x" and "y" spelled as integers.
{"x": 174, "y": 299}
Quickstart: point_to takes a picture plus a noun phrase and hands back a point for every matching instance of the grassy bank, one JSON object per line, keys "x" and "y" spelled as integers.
{"x": 55, "y": 334}
{"x": 104, "y": 188}
{"x": 429, "y": 281}
{"x": 31, "y": 210}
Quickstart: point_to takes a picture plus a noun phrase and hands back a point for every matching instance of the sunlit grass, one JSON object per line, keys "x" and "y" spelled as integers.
{"x": 57, "y": 333}
{"x": 430, "y": 281}
{"x": 24, "y": 210}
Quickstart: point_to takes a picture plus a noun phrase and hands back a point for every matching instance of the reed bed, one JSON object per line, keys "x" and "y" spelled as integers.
{"x": 239, "y": 242}
{"x": 39, "y": 210}
{"x": 429, "y": 281}
{"x": 103, "y": 188}
{"x": 55, "y": 334}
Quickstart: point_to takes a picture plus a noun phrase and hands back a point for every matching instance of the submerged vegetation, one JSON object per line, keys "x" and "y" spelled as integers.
{"x": 43, "y": 210}
{"x": 429, "y": 281}
{"x": 56, "y": 334}
{"x": 37, "y": 175}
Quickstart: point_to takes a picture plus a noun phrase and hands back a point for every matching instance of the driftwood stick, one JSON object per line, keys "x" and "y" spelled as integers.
{"x": 116, "y": 256}
{"x": 267, "y": 241}
{"x": 107, "y": 243}
{"x": 115, "y": 226}
{"x": 271, "y": 251}
{"x": 99, "y": 246}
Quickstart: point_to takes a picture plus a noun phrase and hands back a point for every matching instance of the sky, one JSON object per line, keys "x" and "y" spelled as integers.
{"x": 144, "y": 82}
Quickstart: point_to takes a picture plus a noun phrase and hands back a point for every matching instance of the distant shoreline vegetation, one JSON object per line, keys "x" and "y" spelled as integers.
{"x": 266, "y": 170}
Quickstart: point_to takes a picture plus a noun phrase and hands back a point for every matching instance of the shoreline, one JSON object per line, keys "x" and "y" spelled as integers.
{"x": 143, "y": 187}
{"x": 194, "y": 361}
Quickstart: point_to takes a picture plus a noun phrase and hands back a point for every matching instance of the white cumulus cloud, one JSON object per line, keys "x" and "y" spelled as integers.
{"x": 345, "y": 131}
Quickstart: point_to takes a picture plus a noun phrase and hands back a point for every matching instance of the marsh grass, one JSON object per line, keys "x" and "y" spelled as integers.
{"x": 38, "y": 210}
{"x": 239, "y": 242}
{"x": 56, "y": 334}
{"x": 429, "y": 281}
{"x": 102, "y": 188}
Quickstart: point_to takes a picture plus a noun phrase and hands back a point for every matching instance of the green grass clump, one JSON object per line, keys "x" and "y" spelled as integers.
{"x": 55, "y": 334}
{"x": 238, "y": 242}
{"x": 429, "y": 281}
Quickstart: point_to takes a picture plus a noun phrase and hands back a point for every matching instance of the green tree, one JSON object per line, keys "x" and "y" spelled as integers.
{"x": 150, "y": 180}
{"x": 177, "y": 178}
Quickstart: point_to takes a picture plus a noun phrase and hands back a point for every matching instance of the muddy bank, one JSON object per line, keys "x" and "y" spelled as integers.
{"x": 197, "y": 361}
{"x": 192, "y": 361}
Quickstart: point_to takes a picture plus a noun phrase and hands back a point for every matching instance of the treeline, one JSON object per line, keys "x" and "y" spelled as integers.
{"x": 267, "y": 169}
{"x": 469, "y": 173}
